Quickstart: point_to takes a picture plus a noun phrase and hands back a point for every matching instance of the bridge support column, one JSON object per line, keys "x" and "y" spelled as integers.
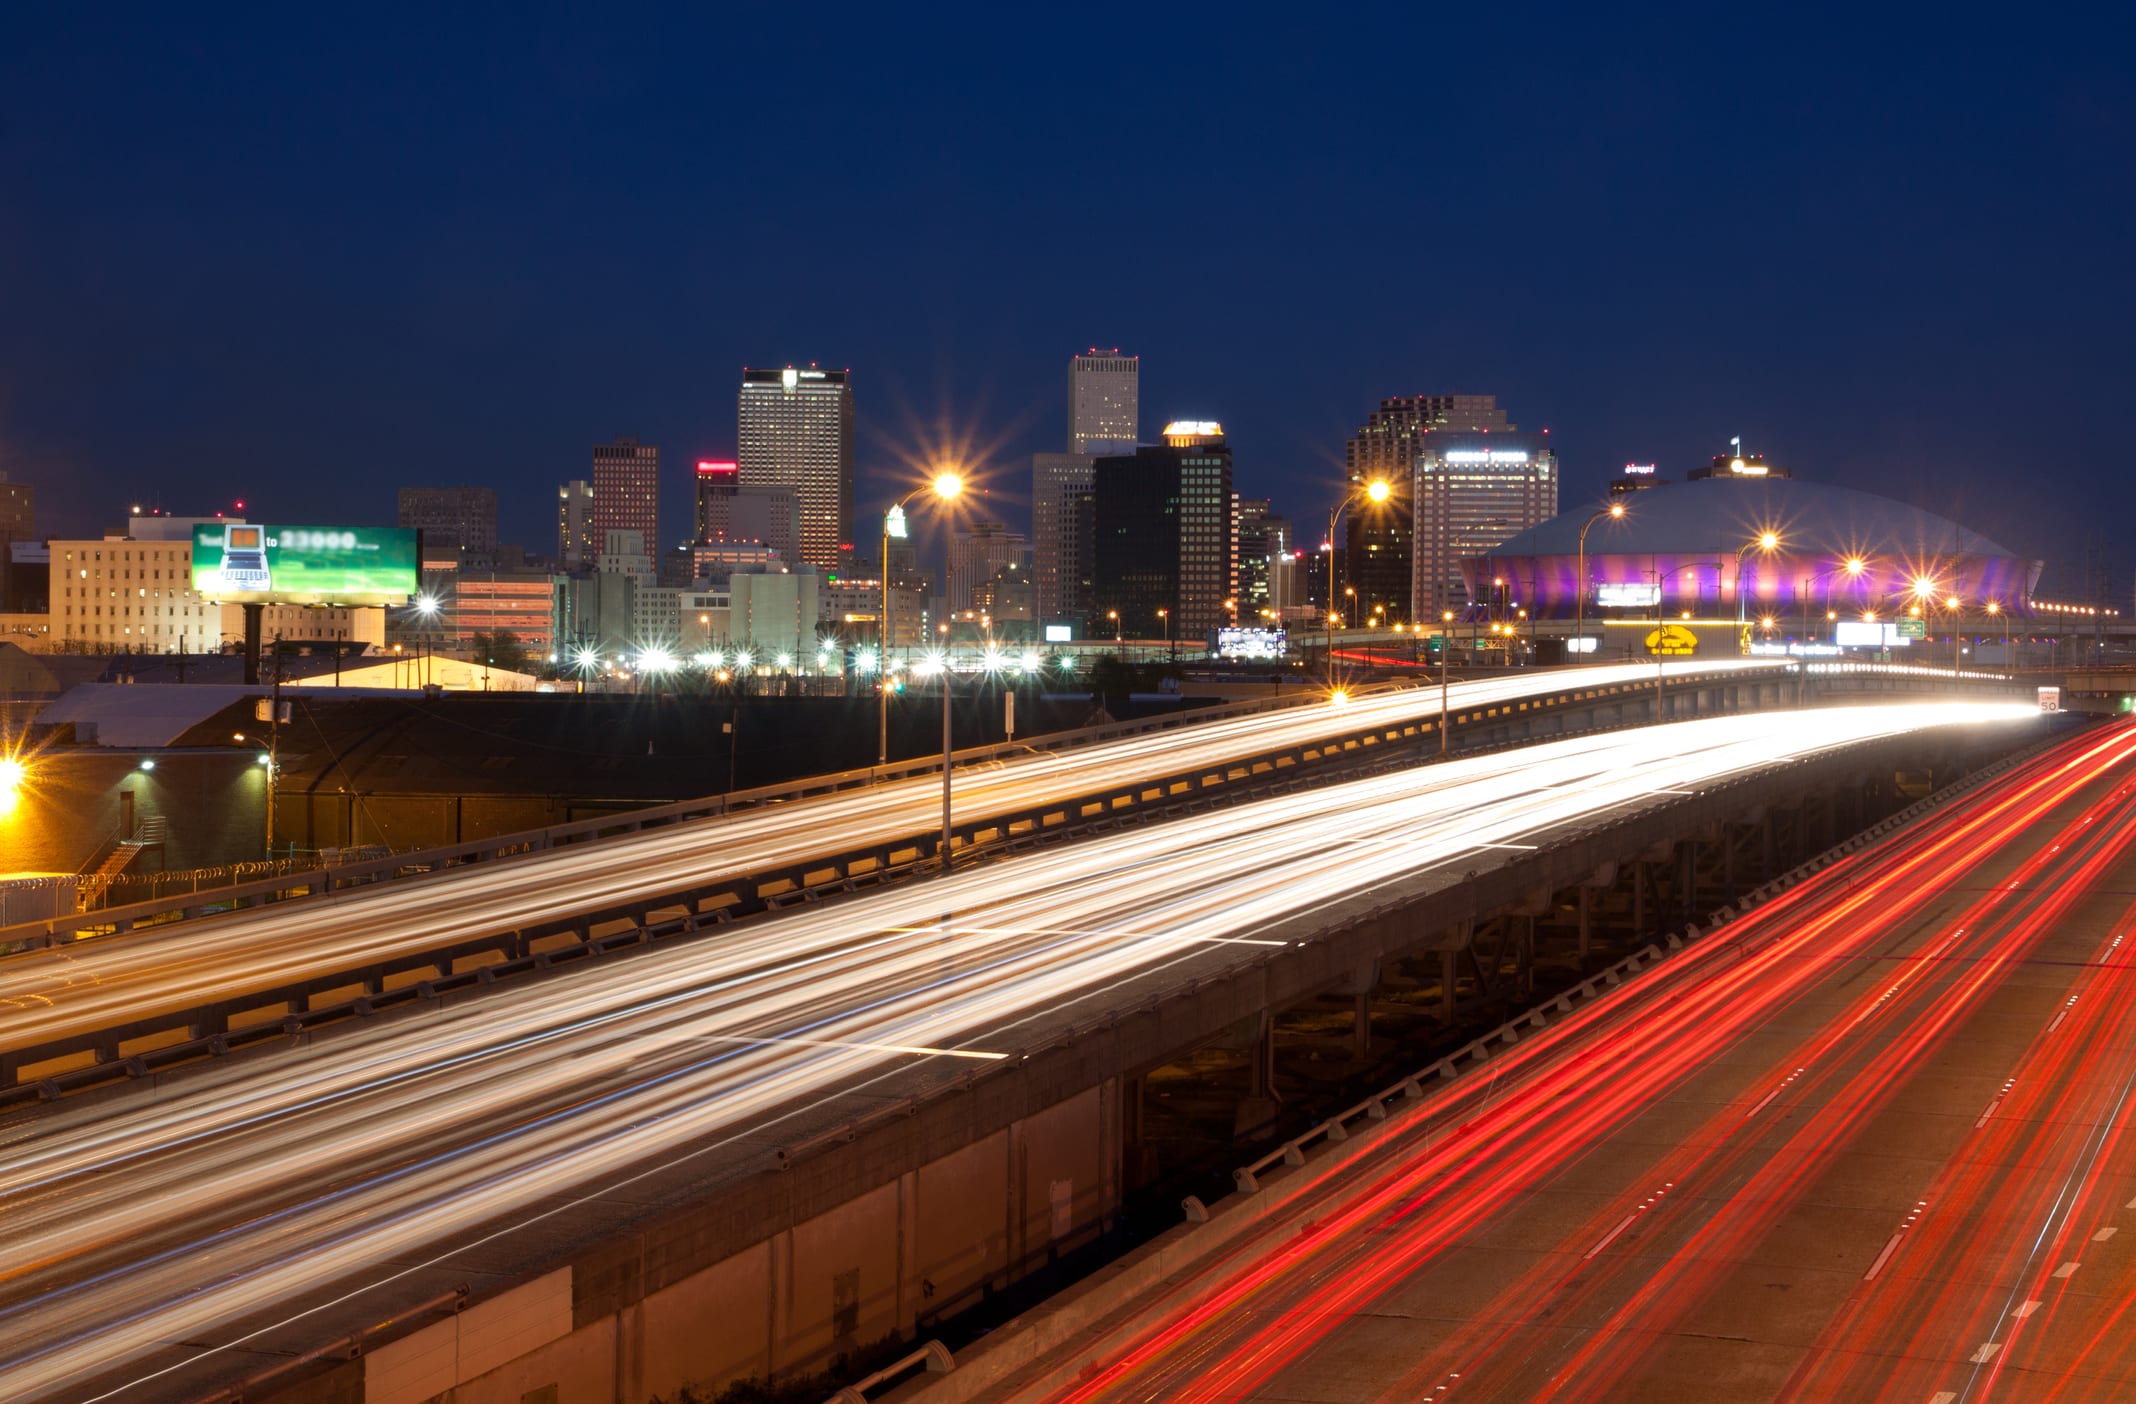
{"x": 1586, "y": 937}
{"x": 1448, "y": 975}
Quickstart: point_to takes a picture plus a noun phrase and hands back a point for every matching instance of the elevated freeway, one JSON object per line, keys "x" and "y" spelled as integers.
{"x": 122, "y": 993}
{"x": 811, "y": 1128}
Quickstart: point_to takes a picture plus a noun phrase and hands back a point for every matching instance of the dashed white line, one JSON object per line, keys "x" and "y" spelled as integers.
{"x": 1988, "y": 1113}
{"x": 1943, "y": 1396}
{"x": 2025, "y": 1309}
{"x": 2104, "y": 1234}
{"x": 1985, "y": 1353}
{"x": 1610, "y": 1237}
{"x": 1883, "y": 1257}
{"x": 2066, "y": 1270}
{"x": 1761, "y": 1105}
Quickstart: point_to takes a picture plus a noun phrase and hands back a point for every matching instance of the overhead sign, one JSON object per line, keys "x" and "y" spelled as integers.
{"x": 2050, "y": 699}
{"x": 1910, "y": 628}
{"x": 249, "y": 563}
{"x": 894, "y": 523}
{"x": 1672, "y": 639}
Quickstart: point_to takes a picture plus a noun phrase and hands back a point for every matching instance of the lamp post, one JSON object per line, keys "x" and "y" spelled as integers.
{"x": 1377, "y": 491}
{"x": 1614, "y": 512}
{"x": 1166, "y": 616}
{"x": 947, "y": 755}
{"x": 1446, "y": 647}
{"x": 1763, "y": 541}
{"x": 945, "y": 486}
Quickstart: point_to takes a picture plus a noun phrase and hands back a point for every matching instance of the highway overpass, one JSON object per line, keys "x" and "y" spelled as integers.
{"x": 604, "y": 1157}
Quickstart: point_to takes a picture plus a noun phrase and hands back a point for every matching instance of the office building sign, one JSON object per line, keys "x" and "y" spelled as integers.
{"x": 1250, "y": 644}
{"x": 252, "y": 563}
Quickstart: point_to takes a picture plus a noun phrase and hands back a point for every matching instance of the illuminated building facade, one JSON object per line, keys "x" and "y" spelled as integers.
{"x": 626, "y": 490}
{"x": 1104, "y": 391}
{"x": 796, "y": 432}
{"x": 575, "y": 548}
{"x": 1164, "y": 537}
{"x": 1468, "y": 492}
{"x": 1060, "y": 533}
{"x": 1379, "y": 538}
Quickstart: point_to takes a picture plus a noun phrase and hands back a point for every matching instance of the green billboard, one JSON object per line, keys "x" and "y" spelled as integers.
{"x": 248, "y": 563}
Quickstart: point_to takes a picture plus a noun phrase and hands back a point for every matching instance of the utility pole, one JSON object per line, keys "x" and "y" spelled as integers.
{"x": 274, "y": 738}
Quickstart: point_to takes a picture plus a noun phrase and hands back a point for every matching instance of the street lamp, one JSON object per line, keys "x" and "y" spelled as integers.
{"x": 948, "y": 756}
{"x": 946, "y": 485}
{"x": 1376, "y": 492}
{"x": 1114, "y": 616}
{"x": 1166, "y": 616}
{"x": 1764, "y": 541}
{"x": 1614, "y": 512}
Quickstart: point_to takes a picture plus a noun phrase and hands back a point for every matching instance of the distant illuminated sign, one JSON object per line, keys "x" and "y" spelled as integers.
{"x": 1793, "y": 650}
{"x": 894, "y": 523}
{"x": 717, "y": 468}
{"x": 246, "y": 563}
{"x": 1485, "y": 456}
{"x": 1856, "y": 633}
{"x": 789, "y": 377}
{"x": 1634, "y": 596}
{"x": 1588, "y": 644}
{"x": 1639, "y": 470}
{"x": 1672, "y": 639}
{"x": 1743, "y": 467}
{"x": 1060, "y": 633}
{"x": 1250, "y": 643}
{"x": 2050, "y": 699}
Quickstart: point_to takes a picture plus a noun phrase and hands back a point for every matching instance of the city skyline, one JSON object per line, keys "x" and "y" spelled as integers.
{"x": 220, "y": 278}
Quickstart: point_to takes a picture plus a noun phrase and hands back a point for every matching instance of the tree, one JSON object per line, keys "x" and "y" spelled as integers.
{"x": 501, "y": 650}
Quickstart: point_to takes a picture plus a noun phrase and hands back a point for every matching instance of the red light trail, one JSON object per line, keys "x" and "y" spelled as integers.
{"x": 1594, "y": 1203}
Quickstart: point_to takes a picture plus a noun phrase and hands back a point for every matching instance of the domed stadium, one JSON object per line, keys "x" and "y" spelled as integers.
{"x": 1794, "y": 553}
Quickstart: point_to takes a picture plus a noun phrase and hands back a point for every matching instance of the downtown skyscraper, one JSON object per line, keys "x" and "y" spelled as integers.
{"x": 796, "y": 432}
{"x": 1104, "y": 391}
{"x": 626, "y": 492}
{"x": 1379, "y": 539}
{"x": 1103, "y": 409}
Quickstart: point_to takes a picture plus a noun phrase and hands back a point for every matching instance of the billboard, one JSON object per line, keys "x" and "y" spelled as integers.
{"x": 1634, "y": 596}
{"x": 249, "y": 563}
{"x": 1250, "y": 643}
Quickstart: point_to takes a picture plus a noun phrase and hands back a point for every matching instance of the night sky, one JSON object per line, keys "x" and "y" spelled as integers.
{"x": 306, "y": 258}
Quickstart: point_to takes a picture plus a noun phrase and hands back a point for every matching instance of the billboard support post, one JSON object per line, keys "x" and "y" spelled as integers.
{"x": 252, "y": 643}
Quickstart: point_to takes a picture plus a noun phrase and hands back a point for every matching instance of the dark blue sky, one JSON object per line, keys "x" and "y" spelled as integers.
{"x": 307, "y": 258}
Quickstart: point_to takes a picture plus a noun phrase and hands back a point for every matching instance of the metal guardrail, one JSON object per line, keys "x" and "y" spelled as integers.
{"x": 934, "y": 1355}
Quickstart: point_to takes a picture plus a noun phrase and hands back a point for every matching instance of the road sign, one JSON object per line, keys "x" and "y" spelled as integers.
{"x": 1672, "y": 639}
{"x": 1911, "y": 628}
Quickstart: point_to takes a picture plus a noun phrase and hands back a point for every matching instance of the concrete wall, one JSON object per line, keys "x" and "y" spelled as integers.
{"x": 793, "y": 1304}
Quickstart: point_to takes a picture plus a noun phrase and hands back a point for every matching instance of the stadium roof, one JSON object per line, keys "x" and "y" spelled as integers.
{"x": 1720, "y": 515}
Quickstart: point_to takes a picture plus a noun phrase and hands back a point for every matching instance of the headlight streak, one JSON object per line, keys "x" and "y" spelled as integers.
{"x": 910, "y": 977}
{"x": 46, "y": 996}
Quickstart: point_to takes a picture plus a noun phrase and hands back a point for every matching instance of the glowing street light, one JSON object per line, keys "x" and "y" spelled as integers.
{"x": 946, "y": 486}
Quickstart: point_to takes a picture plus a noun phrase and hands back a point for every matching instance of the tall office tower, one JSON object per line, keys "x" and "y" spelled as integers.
{"x": 1378, "y": 538}
{"x": 18, "y": 522}
{"x": 626, "y": 491}
{"x": 1060, "y": 534}
{"x": 976, "y": 553}
{"x": 1472, "y": 491}
{"x": 575, "y": 549}
{"x": 1267, "y": 572}
{"x": 1162, "y": 537}
{"x": 797, "y": 432}
{"x": 463, "y": 517}
{"x": 1102, "y": 401}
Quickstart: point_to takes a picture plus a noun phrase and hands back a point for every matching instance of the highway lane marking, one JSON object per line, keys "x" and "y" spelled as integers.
{"x": 1761, "y": 1105}
{"x": 1523, "y": 847}
{"x": 2066, "y": 1270}
{"x": 1985, "y": 1353}
{"x": 1988, "y": 1113}
{"x": 2130, "y": 1205}
{"x": 2025, "y": 1309}
{"x": 1883, "y": 1257}
{"x": 1893, "y": 1246}
{"x": 1943, "y": 1396}
{"x": 2104, "y": 1234}
{"x": 1611, "y": 1236}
